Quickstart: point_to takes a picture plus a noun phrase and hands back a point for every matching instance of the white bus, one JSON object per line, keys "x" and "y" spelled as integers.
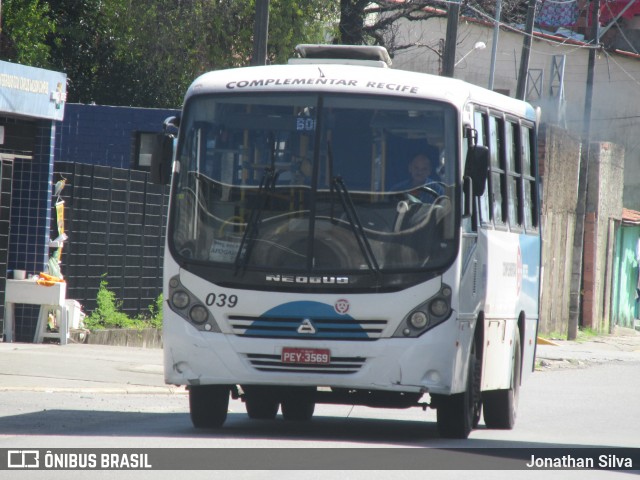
{"x": 304, "y": 265}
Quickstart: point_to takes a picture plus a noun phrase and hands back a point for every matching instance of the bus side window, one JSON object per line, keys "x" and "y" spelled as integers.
{"x": 497, "y": 184}
{"x": 512, "y": 151}
{"x": 480, "y": 124}
{"x": 529, "y": 179}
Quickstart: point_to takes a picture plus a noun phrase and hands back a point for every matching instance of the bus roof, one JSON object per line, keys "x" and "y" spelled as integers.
{"x": 349, "y": 78}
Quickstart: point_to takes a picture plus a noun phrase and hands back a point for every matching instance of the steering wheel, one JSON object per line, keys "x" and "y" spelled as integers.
{"x": 426, "y": 188}
{"x": 440, "y": 206}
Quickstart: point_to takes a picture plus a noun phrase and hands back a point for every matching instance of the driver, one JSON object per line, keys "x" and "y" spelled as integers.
{"x": 420, "y": 174}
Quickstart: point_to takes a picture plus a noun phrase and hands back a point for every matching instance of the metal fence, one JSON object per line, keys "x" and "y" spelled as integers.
{"x": 115, "y": 219}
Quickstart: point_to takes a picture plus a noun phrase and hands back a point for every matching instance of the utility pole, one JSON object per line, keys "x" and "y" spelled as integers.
{"x": 449, "y": 60}
{"x": 494, "y": 44}
{"x": 260, "y": 33}
{"x": 575, "y": 295}
{"x": 526, "y": 51}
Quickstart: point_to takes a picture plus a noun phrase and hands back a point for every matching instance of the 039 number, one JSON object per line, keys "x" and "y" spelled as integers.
{"x": 222, "y": 300}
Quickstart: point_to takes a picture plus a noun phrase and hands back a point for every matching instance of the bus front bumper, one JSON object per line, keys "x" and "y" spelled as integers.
{"x": 433, "y": 363}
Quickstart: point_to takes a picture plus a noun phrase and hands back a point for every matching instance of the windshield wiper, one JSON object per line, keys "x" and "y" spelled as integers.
{"x": 356, "y": 225}
{"x": 266, "y": 188}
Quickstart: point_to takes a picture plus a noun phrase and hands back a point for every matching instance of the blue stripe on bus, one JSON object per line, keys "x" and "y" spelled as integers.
{"x": 326, "y": 319}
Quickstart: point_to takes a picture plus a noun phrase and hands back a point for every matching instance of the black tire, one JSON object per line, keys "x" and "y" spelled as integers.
{"x": 500, "y": 406}
{"x": 459, "y": 414}
{"x": 261, "y": 403}
{"x": 208, "y": 405}
{"x": 298, "y": 405}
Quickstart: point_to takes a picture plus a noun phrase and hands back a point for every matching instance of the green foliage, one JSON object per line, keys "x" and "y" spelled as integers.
{"x": 292, "y": 22}
{"x": 586, "y": 334}
{"x": 146, "y": 53}
{"x": 107, "y": 314}
{"x": 155, "y": 314}
{"x": 26, "y": 25}
{"x": 83, "y": 47}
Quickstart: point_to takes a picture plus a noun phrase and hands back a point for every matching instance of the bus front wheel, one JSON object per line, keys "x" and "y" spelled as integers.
{"x": 208, "y": 405}
{"x": 500, "y": 406}
{"x": 458, "y": 414}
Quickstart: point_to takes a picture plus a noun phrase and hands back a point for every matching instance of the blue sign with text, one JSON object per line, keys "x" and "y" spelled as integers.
{"x": 32, "y": 92}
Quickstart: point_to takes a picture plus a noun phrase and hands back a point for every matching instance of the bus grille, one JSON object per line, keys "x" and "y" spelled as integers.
{"x": 273, "y": 363}
{"x": 307, "y": 328}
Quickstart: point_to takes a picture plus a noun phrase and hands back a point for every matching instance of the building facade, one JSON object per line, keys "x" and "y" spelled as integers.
{"x": 32, "y": 103}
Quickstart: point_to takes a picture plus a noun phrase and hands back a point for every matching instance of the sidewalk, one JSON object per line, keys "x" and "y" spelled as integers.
{"x": 113, "y": 369}
{"x": 621, "y": 346}
{"x": 82, "y": 368}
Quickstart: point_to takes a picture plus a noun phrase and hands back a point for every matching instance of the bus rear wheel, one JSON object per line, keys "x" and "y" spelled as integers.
{"x": 500, "y": 406}
{"x": 298, "y": 405}
{"x": 459, "y": 414}
{"x": 208, "y": 405}
{"x": 261, "y": 403}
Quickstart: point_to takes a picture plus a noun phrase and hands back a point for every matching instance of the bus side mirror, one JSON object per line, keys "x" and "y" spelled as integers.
{"x": 161, "y": 159}
{"x": 477, "y": 168}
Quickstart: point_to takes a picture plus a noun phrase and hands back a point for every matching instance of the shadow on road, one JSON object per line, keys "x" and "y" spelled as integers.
{"x": 369, "y": 431}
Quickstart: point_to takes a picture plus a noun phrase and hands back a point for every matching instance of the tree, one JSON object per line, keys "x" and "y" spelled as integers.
{"x": 147, "y": 52}
{"x": 364, "y": 22}
{"x": 82, "y": 46}
{"x": 293, "y": 22}
{"x": 23, "y": 32}
{"x": 196, "y": 36}
{"x": 377, "y": 22}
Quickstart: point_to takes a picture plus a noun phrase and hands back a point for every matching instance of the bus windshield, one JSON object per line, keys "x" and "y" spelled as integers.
{"x": 316, "y": 183}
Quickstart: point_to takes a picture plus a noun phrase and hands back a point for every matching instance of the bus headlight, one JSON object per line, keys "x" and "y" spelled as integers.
{"x": 187, "y": 306}
{"x": 427, "y": 315}
{"x": 439, "y": 307}
{"x": 418, "y": 319}
{"x": 180, "y": 299}
{"x": 198, "y": 314}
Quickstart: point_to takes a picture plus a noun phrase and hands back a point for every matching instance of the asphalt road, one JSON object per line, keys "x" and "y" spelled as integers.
{"x": 585, "y": 394}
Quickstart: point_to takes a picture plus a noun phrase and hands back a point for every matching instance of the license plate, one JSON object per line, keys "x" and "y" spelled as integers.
{"x": 312, "y": 356}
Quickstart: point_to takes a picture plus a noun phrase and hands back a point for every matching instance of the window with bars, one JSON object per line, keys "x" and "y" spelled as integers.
{"x": 510, "y": 200}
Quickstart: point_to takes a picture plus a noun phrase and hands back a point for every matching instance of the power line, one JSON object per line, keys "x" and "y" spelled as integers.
{"x": 611, "y": 57}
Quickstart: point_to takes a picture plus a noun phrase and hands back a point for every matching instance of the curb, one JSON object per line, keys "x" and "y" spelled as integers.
{"x": 142, "y": 390}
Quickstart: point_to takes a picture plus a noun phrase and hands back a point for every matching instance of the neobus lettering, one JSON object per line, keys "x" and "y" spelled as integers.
{"x": 290, "y": 81}
{"x": 393, "y": 86}
{"x": 306, "y": 279}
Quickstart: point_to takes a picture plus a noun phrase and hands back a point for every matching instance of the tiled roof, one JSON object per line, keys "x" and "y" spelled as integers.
{"x": 630, "y": 217}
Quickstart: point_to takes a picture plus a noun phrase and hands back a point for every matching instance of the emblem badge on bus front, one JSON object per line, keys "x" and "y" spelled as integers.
{"x": 306, "y": 327}
{"x": 342, "y": 306}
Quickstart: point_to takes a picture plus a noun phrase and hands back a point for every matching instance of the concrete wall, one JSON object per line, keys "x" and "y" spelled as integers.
{"x": 604, "y": 209}
{"x": 560, "y": 152}
{"x": 146, "y": 338}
